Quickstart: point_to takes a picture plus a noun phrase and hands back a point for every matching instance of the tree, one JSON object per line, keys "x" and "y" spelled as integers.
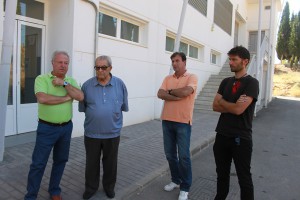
{"x": 292, "y": 42}
{"x": 298, "y": 41}
{"x": 284, "y": 34}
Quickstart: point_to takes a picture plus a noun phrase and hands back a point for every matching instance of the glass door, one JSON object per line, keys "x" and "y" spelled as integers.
{"x": 27, "y": 64}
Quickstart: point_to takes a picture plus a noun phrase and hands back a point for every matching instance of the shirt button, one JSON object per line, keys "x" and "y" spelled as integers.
{"x": 104, "y": 94}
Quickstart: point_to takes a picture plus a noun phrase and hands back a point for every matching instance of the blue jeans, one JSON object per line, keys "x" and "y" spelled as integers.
{"x": 48, "y": 137}
{"x": 177, "y": 142}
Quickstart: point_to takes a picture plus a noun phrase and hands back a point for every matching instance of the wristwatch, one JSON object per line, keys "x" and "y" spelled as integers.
{"x": 65, "y": 84}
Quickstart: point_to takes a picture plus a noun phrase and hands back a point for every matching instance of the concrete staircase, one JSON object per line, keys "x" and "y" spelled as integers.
{"x": 206, "y": 96}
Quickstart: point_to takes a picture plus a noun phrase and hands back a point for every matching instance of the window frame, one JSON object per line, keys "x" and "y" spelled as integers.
{"x": 122, "y": 16}
{"x": 189, "y": 43}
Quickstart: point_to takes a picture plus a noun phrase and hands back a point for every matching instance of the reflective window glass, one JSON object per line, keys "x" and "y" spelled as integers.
{"x": 107, "y": 25}
{"x": 170, "y": 42}
{"x": 30, "y": 8}
{"x": 129, "y": 31}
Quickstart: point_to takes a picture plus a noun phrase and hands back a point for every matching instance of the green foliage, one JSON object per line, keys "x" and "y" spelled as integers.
{"x": 284, "y": 34}
{"x": 288, "y": 42}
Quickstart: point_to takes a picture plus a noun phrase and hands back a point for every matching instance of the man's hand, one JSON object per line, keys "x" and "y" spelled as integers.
{"x": 58, "y": 82}
{"x": 164, "y": 95}
{"x": 243, "y": 98}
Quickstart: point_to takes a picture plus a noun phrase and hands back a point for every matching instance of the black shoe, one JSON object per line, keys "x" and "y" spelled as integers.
{"x": 110, "y": 194}
{"x": 87, "y": 195}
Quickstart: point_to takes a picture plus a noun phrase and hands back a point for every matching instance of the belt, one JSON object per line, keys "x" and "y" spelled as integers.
{"x": 54, "y": 124}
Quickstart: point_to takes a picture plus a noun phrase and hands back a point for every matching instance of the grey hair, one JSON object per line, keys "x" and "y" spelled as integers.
{"x": 55, "y": 53}
{"x": 107, "y": 58}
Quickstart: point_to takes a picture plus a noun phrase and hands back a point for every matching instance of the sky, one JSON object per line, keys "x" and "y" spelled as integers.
{"x": 294, "y": 5}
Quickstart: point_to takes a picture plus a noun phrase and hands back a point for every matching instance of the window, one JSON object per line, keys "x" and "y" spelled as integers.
{"x": 199, "y": 5}
{"x": 193, "y": 52}
{"x": 215, "y": 57}
{"x": 29, "y": 8}
{"x": 120, "y": 26}
{"x": 189, "y": 48}
{"x": 129, "y": 31}
{"x": 183, "y": 48}
{"x": 107, "y": 25}
{"x": 170, "y": 42}
{"x": 223, "y": 15}
{"x": 267, "y": 7}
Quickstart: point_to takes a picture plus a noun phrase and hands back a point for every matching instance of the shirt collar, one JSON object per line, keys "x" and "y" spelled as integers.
{"x": 183, "y": 75}
{"x": 50, "y": 75}
{"x": 111, "y": 81}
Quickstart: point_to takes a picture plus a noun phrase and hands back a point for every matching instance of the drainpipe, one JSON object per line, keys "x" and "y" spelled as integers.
{"x": 259, "y": 63}
{"x": 95, "y": 4}
{"x": 6, "y": 55}
{"x": 268, "y": 95}
{"x": 179, "y": 31}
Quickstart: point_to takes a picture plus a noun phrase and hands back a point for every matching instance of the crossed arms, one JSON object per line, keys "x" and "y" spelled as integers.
{"x": 237, "y": 108}
{"x": 175, "y": 94}
{"x": 72, "y": 93}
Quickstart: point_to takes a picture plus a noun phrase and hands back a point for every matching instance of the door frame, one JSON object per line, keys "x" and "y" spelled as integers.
{"x": 14, "y": 111}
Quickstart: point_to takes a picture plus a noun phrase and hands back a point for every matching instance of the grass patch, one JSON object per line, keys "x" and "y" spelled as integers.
{"x": 286, "y": 82}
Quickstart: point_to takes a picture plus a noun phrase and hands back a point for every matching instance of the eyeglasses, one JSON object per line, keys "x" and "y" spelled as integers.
{"x": 103, "y": 68}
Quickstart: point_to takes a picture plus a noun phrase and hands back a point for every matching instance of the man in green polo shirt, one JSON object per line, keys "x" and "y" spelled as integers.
{"x": 55, "y": 93}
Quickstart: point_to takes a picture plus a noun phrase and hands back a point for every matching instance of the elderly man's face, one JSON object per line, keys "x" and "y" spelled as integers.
{"x": 60, "y": 65}
{"x": 102, "y": 70}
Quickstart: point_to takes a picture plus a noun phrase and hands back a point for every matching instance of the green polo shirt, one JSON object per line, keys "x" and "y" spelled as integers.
{"x": 54, "y": 113}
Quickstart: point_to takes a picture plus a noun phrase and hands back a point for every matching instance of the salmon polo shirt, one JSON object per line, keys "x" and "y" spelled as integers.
{"x": 182, "y": 110}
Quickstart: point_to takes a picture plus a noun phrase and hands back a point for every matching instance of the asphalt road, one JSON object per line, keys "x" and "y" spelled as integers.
{"x": 275, "y": 161}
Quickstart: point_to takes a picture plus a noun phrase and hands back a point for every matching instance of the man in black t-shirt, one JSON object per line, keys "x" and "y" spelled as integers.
{"x": 235, "y": 100}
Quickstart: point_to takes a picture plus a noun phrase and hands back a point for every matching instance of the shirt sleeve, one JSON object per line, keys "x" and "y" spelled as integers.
{"x": 125, "y": 106}
{"x": 164, "y": 84}
{"x": 82, "y": 104}
{"x": 193, "y": 82}
{"x": 73, "y": 82}
{"x": 252, "y": 89}
{"x": 40, "y": 85}
{"x": 222, "y": 86}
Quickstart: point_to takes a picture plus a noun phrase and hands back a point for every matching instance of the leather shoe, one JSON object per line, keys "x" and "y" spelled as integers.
{"x": 56, "y": 197}
{"x": 110, "y": 194}
{"x": 87, "y": 195}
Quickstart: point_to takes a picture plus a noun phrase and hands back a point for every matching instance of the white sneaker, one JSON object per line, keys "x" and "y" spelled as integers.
{"x": 171, "y": 186}
{"x": 183, "y": 195}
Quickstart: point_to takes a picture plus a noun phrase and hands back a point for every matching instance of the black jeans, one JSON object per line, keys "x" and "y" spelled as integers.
{"x": 109, "y": 149}
{"x": 240, "y": 150}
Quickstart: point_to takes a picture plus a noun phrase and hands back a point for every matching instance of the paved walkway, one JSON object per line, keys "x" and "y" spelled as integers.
{"x": 141, "y": 159}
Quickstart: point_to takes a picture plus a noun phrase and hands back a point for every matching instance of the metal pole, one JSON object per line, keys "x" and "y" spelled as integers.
{"x": 7, "y": 48}
{"x": 179, "y": 31}
{"x": 258, "y": 56}
{"x": 268, "y": 95}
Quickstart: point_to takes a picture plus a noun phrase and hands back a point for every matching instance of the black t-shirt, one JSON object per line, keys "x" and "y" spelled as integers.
{"x": 238, "y": 125}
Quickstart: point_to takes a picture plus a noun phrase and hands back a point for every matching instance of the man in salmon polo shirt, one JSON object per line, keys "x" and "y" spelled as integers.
{"x": 178, "y": 92}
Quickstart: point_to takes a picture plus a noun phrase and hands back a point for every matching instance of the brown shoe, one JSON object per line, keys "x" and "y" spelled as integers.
{"x": 56, "y": 197}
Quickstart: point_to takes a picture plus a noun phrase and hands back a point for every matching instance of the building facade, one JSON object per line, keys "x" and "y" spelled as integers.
{"x": 139, "y": 35}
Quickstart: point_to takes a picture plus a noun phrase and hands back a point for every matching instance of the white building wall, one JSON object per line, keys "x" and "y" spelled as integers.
{"x": 70, "y": 26}
{"x": 1, "y": 26}
{"x": 143, "y": 66}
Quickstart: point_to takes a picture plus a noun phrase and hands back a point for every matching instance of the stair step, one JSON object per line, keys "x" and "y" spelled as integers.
{"x": 213, "y": 90}
{"x": 207, "y": 94}
{"x": 204, "y": 103}
{"x": 204, "y": 98}
{"x": 202, "y": 108}
{"x": 211, "y": 86}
